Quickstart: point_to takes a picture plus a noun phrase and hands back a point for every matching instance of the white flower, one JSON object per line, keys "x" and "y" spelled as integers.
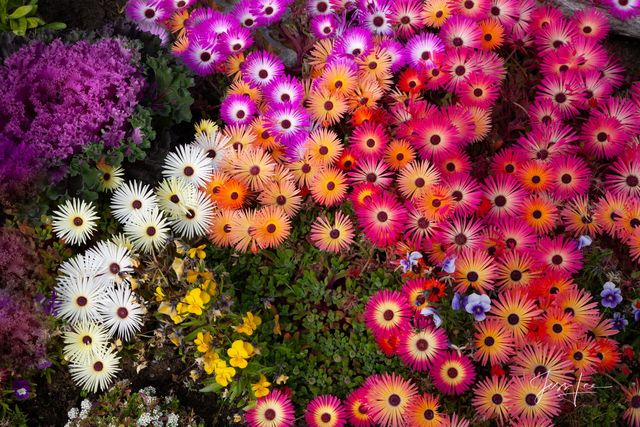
{"x": 77, "y": 298}
{"x": 110, "y": 177}
{"x": 73, "y": 413}
{"x": 131, "y": 198}
{"x": 87, "y": 340}
{"x": 75, "y": 221}
{"x": 114, "y": 261}
{"x": 174, "y": 195}
{"x": 172, "y": 420}
{"x": 215, "y": 146}
{"x": 190, "y": 163}
{"x": 144, "y": 420}
{"x": 148, "y": 230}
{"x": 85, "y": 405}
{"x": 121, "y": 314}
{"x": 196, "y": 220}
{"x": 80, "y": 266}
{"x": 97, "y": 373}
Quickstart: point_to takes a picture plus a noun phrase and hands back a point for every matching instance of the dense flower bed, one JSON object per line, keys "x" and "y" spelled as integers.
{"x": 432, "y": 218}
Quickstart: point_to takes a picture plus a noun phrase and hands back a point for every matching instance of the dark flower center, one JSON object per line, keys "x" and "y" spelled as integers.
{"x": 388, "y": 315}
{"x": 263, "y": 74}
{"x": 632, "y": 181}
{"x": 305, "y": 168}
{"x": 286, "y": 124}
{"x": 489, "y": 341}
{"x": 405, "y": 20}
{"x": 460, "y": 239}
{"x": 513, "y": 319}
{"x": 382, "y": 216}
{"x": 122, "y": 312}
{"x": 477, "y": 92}
{"x": 496, "y": 399}
{"x": 149, "y": 13}
{"x": 635, "y": 402}
{"x": 323, "y": 150}
{"x": 205, "y": 57}
{"x": 268, "y": 10}
{"x": 371, "y": 143}
{"x": 188, "y": 171}
{"x": 334, "y": 234}
{"x": 255, "y": 170}
{"x": 331, "y": 186}
{"x": 281, "y": 200}
{"x": 500, "y": 201}
{"x": 82, "y": 301}
{"x": 77, "y": 221}
{"x": 151, "y": 231}
{"x": 98, "y": 366}
{"x": 271, "y": 228}
{"x": 509, "y": 168}
{"x": 328, "y": 105}
{"x": 420, "y": 182}
{"x": 174, "y": 198}
{"x": 435, "y": 139}
{"x": 578, "y": 355}
{"x": 114, "y": 268}
{"x": 472, "y": 276}
{"x": 601, "y": 136}
{"x": 86, "y": 340}
{"x": 531, "y": 399}
{"x": 270, "y": 414}
{"x": 460, "y": 70}
{"x": 457, "y": 41}
{"x": 452, "y": 373}
{"x": 422, "y": 344}
{"x": 537, "y": 214}
{"x": 561, "y": 98}
{"x": 540, "y": 370}
{"x": 240, "y": 114}
{"x": 557, "y": 328}
{"x": 429, "y": 414}
{"x": 378, "y": 21}
{"x": 394, "y": 400}
{"x": 556, "y": 259}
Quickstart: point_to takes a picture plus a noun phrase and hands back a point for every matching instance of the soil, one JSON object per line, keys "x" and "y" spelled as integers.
{"x": 85, "y": 14}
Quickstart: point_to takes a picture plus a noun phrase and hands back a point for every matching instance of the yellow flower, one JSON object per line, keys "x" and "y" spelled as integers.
{"x": 194, "y": 301}
{"x": 192, "y": 276}
{"x": 210, "y": 361}
{"x": 239, "y": 352}
{"x": 175, "y": 339}
{"x": 249, "y": 324}
{"x": 166, "y": 308}
{"x": 261, "y": 388}
{"x": 199, "y": 252}
{"x": 224, "y": 373}
{"x": 203, "y": 341}
{"x": 159, "y": 294}
{"x": 209, "y": 286}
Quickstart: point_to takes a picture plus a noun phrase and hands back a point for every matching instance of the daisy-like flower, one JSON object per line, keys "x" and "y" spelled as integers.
{"x": 479, "y": 89}
{"x": 237, "y": 109}
{"x": 323, "y": 26}
{"x": 190, "y": 163}
{"x": 418, "y": 349}
{"x": 329, "y": 187}
{"x": 418, "y": 228}
{"x": 77, "y": 298}
{"x": 424, "y": 50}
{"x": 387, "y": 312}
{"x": 461, "y": 234}
{"x": 417, "y": 176}
{"x": 221, "y": 226}
{"x": 398, "y": 154}
{"x": 148, "y": 231}
{"x": 288, "y": 123}
{"x": 110, "y": 176}
{"x": 493, "y": 341}
{"x": 476, "y": 270}
{"x": 406, "y": 17}
{"x": 326, "y": 107}
{"x": 558, "y": 253}
{"x": 632, "y": 414}
{"x": 623, "y": 9}
{"x": 131, "y": 197}
{"x": 325, "y": 411}
{"x": 542, "y": 361}
{"x": 173, "y": 195}
{"x": 505, "y": 195}
{"x": 624, "y": 176}
{"x": 532, "y": 398}
{"x": 86, "y": 340}
{"x": 461, "y": 32}
{"x": 604, "y": 137}
{"x": 241, "y": 235}
{"x": 578, "y": 217}
{"x": 120, "y": 313}
{"x": 491, "y": 398}
{"x": 255, "y": 167}
{"x": 283, "y": 194}
{"x": 262, "y": 67}
{"x": 516, "y": 311}
{"x": 196, "y": 219}
{"x": 215, "y": 145}
{"x": 114, "y": 261}
{"x": 96, "y": 374}
{"x": 357, "y": 409}
{"x": 80, "y": 266}
{"x": 516, "y": 269}
{"x": 371, "y": 171}
{"x": 75, "y": 221}
{"x": 235, "y": 40}
{"x": 271, "y": 227}
{"x": 389, "y": 396}
{"x": 147, "y": 12}
{"x": 424, "y": 411}
{"x": 452, "y": 373}
{"x": 368, "y": 141}
{"x": 570, "y": 177}
{"x": 273, "y": 410}
{"x": 541, "y": 213}
{"x": 202, "y": 54}
{"x": 354, "y": 42}
{"x": 333, "y": 236}
{"x": 435, "y": 137}
{"x": 284, "y": 89}
{"x": 324, "y": 146}
{"x": 382, "y": 220}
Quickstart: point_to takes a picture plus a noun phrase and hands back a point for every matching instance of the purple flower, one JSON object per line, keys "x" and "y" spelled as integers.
{"x": 458, "y": 301}
{"x": 619, "y": 322}
{"x": 411, "y": 260}
{"x": 478, "y": 305}
{"x": 449, "y": 265}
{"x": 21, "y": 389}
{"x": 611, "y": 296}
{"x": 584, "y": 241}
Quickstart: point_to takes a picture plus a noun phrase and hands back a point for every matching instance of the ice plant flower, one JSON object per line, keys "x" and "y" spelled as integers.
{"x": 611, "y": 295}
{"x": 75, "y": 221}
{"x": 478, "y": 305}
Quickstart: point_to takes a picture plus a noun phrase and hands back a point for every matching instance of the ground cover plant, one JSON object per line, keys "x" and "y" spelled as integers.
{"x": 321, "y": 213}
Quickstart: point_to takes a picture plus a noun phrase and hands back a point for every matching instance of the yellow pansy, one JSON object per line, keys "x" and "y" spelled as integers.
{"x": 238, "y": 354}
{"x": 166, "y": 308}
{"x": 203, "y": 341}
{"x": 261, "y": 388}
{"x": 192, "y": 276}
{"x": 224, "y": 373}
{"x": 209, "y": 286}
{"x": 159, "y": 294}
{"x": 250, "y": 323}
{"x": 175, "y": 339}
{"x": 210, "y": 361}
{"x": 194, "y": 301}
{"x": 199, "y": 252}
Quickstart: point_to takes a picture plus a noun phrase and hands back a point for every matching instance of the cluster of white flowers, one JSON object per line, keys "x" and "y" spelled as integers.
{"x": 75, "y": 415}
{"x": 95, "y": 298}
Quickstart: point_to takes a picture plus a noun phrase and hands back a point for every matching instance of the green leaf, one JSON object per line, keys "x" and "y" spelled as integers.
{"x": 19, "y": 26}
{"x": 34, "y": 22}
{"x": 21, "y": 12}
{"x": 55, "y": 26}
{"x": 211, "y": 388}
